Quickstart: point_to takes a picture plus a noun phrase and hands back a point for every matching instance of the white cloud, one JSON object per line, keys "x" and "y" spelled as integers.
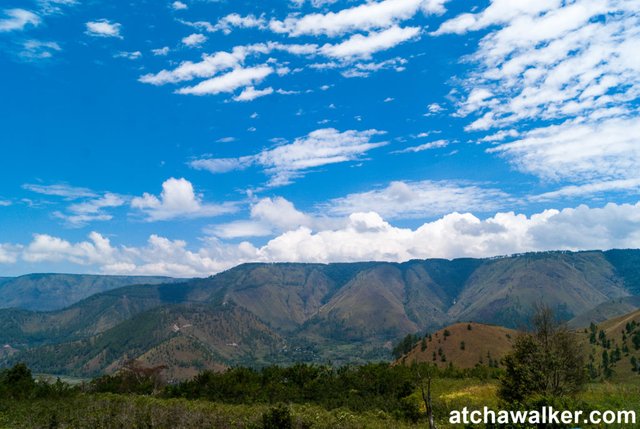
{"x": 129, "y": 55}
{"x": 103, "y": 28}
{"x": 178, "y": 5}
{"x": 161, "y": 52}
{"x": 8, "y": 254}
{"x": 364, "y": 46}
{"x": 178, "y": 200}
{"x": 49, "y": 7}
{"x": 433, "y": 109}
{"x": 194, "y": 40}
{"x": 577, "y": 151}
{"x": 498, "y": 12}
{"x": 365, "y": 17}
{"x": 500, "y": 136}
{"x": 160, "y": 256}
{"x": 227, "y": 139}
{"x": 268, "y": 216}
{"x": 314, "y": 3}
{"x": 212, "y": 64}
{"x": 230, "y": 81}
{"x": 622, "y": 185}
{"x": 187, "y": 70}
{"x": 551, "y": 60}
{"x": 250, "y": 93}
{"x": 364, "y": 69}
{"x": 363, "y": 237}
{"x": 80, "y": 214}
{"x": 421, "y": 199}
{"x": 33, "y": 50}
{"x": 368, "y": 237}
{"x": 227, "y": 23}
{"x": 426, "y": 146}
{"x": 18, "y": 20}
{"x": 558, "y": 82}
{"x": 61, "y": 190}
{"x": 288, "y": 161}
{"x": 44, "y": 247}
{"x": 5, "y": 203}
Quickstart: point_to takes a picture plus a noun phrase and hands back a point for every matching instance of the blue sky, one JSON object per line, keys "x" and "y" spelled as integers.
{"x": 185, "y": 137}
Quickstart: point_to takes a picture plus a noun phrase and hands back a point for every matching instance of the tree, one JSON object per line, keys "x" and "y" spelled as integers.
{"x": 425, "y": 374}
{"x": 17, "y": 382}
{"x": 548, "y": 361}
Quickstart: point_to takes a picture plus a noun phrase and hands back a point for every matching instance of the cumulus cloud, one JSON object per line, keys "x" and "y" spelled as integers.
{"x": 18, "y": 20}
{"x": 160, "y": 255}
{"x": 288, "y": 161}
{"x": 194, "y": 40}
{"x": 103, "y": 28}
{"x": 178, "y": 200}
{"x": 363, "y": 237}
{"x": 368, "y": 237}
{"x": 422, "y": 199}
{"x": 178, "y": 5}
{"x": 8, "y": 254}
{"x": 268, "y": 216}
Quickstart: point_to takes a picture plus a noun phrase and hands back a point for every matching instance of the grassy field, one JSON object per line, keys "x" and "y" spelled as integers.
{"x": 131, "y": 411}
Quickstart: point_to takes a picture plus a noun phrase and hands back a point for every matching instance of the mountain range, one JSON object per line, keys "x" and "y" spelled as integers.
{"x": 46, "y": 292}
{"x": 260, "y": 314}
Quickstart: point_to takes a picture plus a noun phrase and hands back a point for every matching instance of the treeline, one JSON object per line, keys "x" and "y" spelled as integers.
{"x": 18, "y": 383}
{"x": 371, "y": 387}
{"x": 375, "y": 386}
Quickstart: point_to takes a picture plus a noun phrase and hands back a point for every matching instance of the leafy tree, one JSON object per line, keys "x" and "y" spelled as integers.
{"x": 592, "y": 336}
{"x": 636, "y": 340}
{"x": 405, "y": 345}
{"x": 133, "y": 377}
{"x": 547, "y": 361}
{"x": 17, "y": 382}
{"x": 278, "y": 417}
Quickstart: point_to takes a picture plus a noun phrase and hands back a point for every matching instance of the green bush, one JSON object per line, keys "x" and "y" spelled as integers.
{"x": 278, "y": 417}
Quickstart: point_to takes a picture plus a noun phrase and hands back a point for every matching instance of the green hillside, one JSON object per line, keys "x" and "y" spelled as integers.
{"x": 47, "y": 292}
{"x": 343, "y": 313}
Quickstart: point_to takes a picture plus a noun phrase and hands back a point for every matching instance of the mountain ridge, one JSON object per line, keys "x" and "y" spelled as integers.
{"x": 343, "y": 312}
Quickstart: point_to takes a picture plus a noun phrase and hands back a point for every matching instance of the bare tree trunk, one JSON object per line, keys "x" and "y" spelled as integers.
{"x": 426, "y": 398}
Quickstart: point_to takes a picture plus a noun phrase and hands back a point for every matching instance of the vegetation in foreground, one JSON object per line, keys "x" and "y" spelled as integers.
{"x": 545, "y": 367}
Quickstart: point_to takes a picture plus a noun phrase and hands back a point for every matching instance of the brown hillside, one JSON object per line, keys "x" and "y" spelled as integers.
{"x": 464, "y": 345}
{"x": 621, "y": 342}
